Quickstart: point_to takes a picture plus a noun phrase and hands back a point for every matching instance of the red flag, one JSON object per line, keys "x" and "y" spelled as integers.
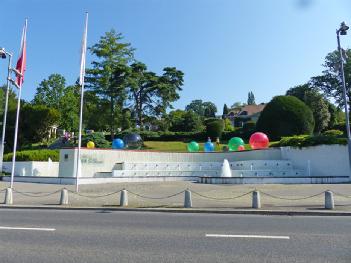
{"x": 21, "y": 62}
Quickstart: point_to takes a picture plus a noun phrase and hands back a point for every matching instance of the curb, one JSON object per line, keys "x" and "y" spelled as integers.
{"x": 185, "y": 210}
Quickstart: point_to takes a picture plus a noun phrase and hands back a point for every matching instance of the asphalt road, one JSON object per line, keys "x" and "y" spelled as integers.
{"x": 98, "y": 236}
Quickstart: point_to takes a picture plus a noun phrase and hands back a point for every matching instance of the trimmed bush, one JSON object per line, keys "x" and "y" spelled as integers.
{"x": 334, "y": 133}
{"x": 98, "y": 138}
{"x": 34, "y": 155}
{"x": 285, "y": 116}
{"x": 215, "y": 128}
{"x": 306, "y": 140}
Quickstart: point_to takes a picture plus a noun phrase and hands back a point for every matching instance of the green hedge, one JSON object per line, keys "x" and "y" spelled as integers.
{"x": 34, "y": 155}
{"x": 307, "y": 140}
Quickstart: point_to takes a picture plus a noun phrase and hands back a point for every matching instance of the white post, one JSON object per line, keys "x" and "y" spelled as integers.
{"x": 309, "y": 168}
{"x": 16, "y": 132}
{"x": 81, "y": 80}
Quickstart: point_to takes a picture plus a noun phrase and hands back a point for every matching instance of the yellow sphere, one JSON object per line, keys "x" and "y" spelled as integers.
{"x": 90, "y": 145}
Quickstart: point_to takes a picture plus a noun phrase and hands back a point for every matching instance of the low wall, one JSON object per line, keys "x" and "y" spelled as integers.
{"x": 325, "y": 160}
{"x": 39, "y": 169}
{"x": 95, "y": 161}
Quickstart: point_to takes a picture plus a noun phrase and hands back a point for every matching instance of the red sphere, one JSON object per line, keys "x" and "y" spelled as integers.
{"x": 259, "y": 140}
{"x": 241, "y": 148}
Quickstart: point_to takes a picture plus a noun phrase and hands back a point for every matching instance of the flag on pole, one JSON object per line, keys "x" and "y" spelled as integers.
{"x": 83, "y": 52}
{"x": 21, "y": 62}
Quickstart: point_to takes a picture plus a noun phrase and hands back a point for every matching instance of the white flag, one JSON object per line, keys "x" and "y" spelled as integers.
{"x": 83, "y": 52}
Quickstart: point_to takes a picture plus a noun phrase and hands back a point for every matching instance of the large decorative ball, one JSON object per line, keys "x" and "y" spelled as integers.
{"x": 241, "y": 148}
{"x": 208, "y": 147}
{"x": 259, "y": 140}
{"x": 90, "y": 145}
{"x": 117, "y": 144}
{"x": 193, "y": 146}
{"x": 234, "y": 143}
{"x": 133, "y": 141}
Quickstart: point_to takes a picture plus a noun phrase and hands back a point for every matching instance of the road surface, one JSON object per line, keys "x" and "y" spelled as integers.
{"x": 103, "y": 236}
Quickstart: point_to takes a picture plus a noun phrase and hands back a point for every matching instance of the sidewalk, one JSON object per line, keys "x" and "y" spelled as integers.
{"x": 171, "y": 195}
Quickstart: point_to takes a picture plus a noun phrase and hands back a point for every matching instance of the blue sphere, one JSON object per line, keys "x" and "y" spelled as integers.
{"x": 208, "y": 147}
{"x": 117, "y": 144}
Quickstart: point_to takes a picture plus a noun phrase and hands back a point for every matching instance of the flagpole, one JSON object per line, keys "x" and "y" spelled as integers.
{"x": 81, "y": 80}
{"x": 19, "y": 74}
{"x": 5, "y": 111}
{"x": 16, "y": 132}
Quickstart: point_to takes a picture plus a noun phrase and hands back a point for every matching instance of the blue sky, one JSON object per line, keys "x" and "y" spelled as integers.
{"x": 225, "y": 47}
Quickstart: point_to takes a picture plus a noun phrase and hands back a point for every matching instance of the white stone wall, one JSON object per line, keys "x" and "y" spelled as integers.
{"x": 103, "y": 160}
{"x": 47, "y": 169}
{"x": 325, "y": 160}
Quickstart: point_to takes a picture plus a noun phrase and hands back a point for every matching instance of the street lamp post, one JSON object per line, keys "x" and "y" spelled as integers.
{"x": 3, "y": 54}
{"x": 343, "y": 31}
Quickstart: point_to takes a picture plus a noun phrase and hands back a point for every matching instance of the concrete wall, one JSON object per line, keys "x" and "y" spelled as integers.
{"x": 47, "y": 169}
{"x": 102, "y": 160}
{"x": 325, "y": 160}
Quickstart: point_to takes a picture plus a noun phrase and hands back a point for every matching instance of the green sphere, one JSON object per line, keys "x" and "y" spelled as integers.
{"x": 193, "y": 146}
{"x": 234, "y": 143}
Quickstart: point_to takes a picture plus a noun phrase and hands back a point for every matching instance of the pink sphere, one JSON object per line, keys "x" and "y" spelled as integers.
{"x": 259, "y": 140}
{"x": 241, "y": 148}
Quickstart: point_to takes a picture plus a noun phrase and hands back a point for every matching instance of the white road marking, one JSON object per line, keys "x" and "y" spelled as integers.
{"x": 27, "y": 228}
{"x": 249, "y": 236}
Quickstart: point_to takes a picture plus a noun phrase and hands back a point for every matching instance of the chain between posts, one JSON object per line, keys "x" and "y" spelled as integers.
{"x": 343, "y": 195}
{"x": 94, "y": 196}
{"x": 226, "y": 198}
{"x": 155, "y": 198}
{"x": 291, "y": 199}
{"x": 36, "y": 194}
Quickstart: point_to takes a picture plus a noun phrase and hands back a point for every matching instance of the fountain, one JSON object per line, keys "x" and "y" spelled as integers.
{"x": 226, "y": 171}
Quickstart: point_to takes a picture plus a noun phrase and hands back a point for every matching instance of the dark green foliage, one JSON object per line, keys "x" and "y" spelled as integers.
{"x": 187, "y": 121}
{"x": 251, "y": 99}
{"x": 214, "y": 129}
{"x": 249, "y": 128}
{"x": 34, "y": 155}
{"x": 285, "y": 116}
{"x": 34, "y": 124}
{"x": 53, "y": 93}
{"x": 225, "y": 111}
{"x": 308, "y": 140}
{"x": 98, "y": 138}
{"x": 204, "y": 109}
{"x": 315, "y": 101}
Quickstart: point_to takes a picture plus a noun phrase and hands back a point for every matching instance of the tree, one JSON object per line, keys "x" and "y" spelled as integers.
{"x": 53, "y": 93}
{"x": 186, "y": 121}
{"x": 330, "y": 81}
{"x": 285, "y": 116}
{"x": 251, "y": 99}
{"x": 315, "y": 101}
{"x": 228, "y": 125}
{"x": 225, "y": 111}
{"x": 214, "y": 129}
{"x": 34, "y": 125}
{"x": 150, "y": 94}
{"x": 196, "y": 106}
{"x": 50, "y": 91}
{"x": 205, "y": 109}
{"x": 107, "y": 77}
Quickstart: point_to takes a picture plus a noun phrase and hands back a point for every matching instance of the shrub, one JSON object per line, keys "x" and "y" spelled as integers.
{"x": 285, "y": 116}
{"x": 335, "y": 133}
{"x": 306, "y": 140}
{"x": 98, "y": 138}
{"x": 34, "y": 155}
{"x": 215, "y": 128}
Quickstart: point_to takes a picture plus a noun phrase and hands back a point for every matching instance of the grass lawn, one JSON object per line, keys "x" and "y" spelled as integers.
{"x": 177, "y": 146}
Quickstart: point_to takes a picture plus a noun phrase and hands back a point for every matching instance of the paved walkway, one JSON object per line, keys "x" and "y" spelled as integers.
{"x": 164, "y": 195}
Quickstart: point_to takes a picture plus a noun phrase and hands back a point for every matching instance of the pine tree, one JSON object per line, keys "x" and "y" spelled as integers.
{"x": 251, "y": 99}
